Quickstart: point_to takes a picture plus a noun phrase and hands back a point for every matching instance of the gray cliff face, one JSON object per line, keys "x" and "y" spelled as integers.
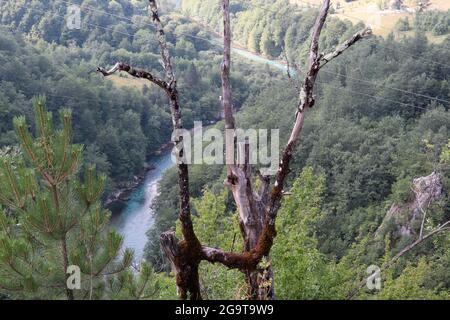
{"x": 407, "y": 217}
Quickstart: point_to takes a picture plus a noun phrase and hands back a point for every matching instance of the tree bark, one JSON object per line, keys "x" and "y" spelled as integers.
{"x": 69, "y": 292}
{"x": 239, "y": 177}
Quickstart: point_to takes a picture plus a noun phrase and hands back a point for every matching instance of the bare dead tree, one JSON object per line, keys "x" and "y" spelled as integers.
{"x": 257, "y": 209}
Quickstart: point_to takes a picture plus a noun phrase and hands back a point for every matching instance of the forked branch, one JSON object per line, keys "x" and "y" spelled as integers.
{"x": 257, "y": 210}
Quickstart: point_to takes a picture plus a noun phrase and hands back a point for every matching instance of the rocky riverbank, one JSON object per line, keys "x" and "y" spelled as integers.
{"x": 122, "y": 194}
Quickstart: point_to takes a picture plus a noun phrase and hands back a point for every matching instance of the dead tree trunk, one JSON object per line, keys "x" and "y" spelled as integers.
{"x": 257, "y": 209}
{"x": 239, "y": 177}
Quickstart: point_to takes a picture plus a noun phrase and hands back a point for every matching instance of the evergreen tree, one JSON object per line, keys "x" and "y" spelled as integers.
{"x": 191, "y": 75}
{"x": 54, "y": 235}
{"x": 268, "y": 46}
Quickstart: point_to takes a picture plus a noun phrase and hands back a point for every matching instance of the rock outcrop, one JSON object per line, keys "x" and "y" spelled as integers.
{"x": 407, "y": 218}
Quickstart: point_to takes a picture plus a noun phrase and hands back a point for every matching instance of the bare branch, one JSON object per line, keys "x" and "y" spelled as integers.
{"x": 306, "y": 100}
{"x": 424, "y": 212}
{"x": 288, "y": 72}
{"x": 242, "y": 261}
{"x": 172, "y": 92}
{"x": 166, "y": 63}
{"x": 226, "y": 66}
{"x": 238, "y": 177}
{"x": 344, "y": 46}
{"x": 137, "y": 73}
{"x": 188, "y": 254}
{"x": 317, "y": 30}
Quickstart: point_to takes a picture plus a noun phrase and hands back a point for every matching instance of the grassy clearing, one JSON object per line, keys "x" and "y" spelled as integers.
{"x": 125, "y": 81}
{"x": 381, "y": 21}
{"x": 382, "y": 24}
{"x": 441, "y": 4}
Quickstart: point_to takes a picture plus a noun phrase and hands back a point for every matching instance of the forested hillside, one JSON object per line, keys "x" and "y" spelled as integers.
{"x": 271, "y": 28}
{"x": 380, "y": 125}
{"x": 381, "y": 120}
{"x": 112, "y": 120}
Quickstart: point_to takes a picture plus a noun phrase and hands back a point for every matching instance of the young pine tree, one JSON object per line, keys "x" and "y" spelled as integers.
{"x": 52, "y": 223}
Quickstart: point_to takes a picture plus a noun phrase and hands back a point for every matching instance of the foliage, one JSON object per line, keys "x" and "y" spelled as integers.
{"x": 433, "y": 20}
{"x": 51, "y": 220}
{"x": 121, "y": 124}
{"x": 270, "y": 28}
{"x": 403, "y": 24}
{"x": 412, "y": 284}
{"x": 218, "y": 228}
{"x": 300, "y": 270}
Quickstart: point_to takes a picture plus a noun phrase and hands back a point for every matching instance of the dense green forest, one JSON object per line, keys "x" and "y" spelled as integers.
{"x": 272, "y": 28}
{"x": 437, "y": 22}
{"x": 112, "y": 121}
{"x": 381, "y": 120}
